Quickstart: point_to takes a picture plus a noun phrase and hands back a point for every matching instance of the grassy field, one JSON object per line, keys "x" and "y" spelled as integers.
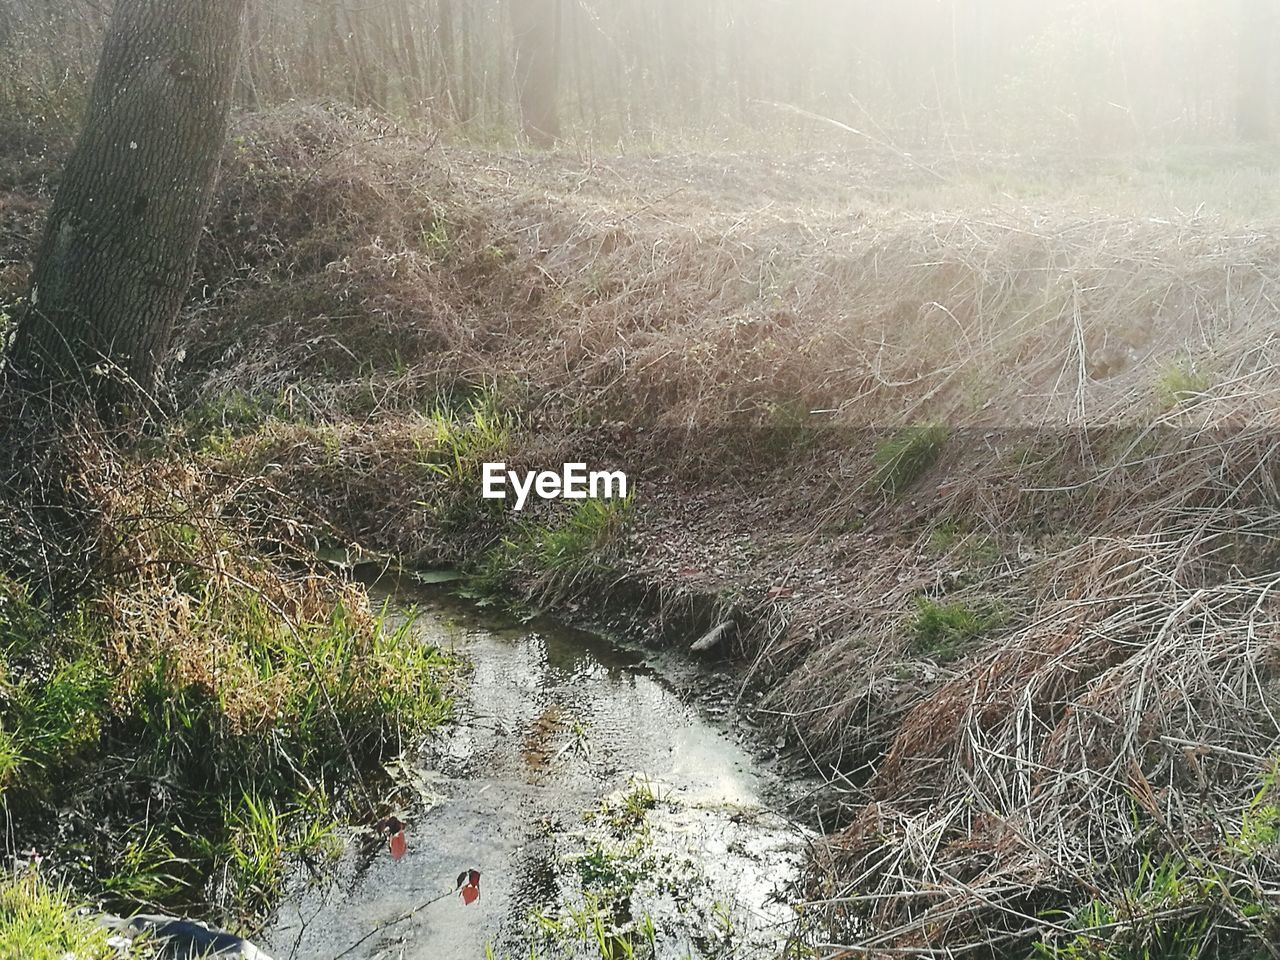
{"x": 208, "y": 715}
{"x": 979, "y": 454}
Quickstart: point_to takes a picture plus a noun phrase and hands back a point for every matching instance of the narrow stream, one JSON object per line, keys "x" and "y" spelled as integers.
{"x": 578, "y": 782}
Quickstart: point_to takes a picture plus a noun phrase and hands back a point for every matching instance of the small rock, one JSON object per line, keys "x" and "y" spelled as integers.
{"x": 712, "y": 638}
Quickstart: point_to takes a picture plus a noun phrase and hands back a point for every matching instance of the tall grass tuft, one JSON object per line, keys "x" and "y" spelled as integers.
{"x": 946, "y": 631}
{"x": 904, "y": 458}
{"x": 39, "y": 921}
{"x": 551, "y": 560}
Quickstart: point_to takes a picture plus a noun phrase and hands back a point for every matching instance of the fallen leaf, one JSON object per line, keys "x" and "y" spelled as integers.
{"x": 469, "y": 886}
{"x": 398, "y": 845}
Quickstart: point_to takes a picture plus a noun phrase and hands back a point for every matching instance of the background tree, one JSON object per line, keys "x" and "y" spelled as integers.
{"x": 535, "y": 32}
{"x": 1256, "y": 27}
{"x": 961, "y": 74}
{"x": 120, "y": 243}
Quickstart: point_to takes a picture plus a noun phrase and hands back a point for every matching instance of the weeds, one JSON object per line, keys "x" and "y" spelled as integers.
{"x": 262, "y": 837}
{"x": 8, "y": 310}
{"x": 436, "y": 241}
{"x": 52, "y": 694}
{"x": 588, "y": 931}
{"x": 615, "y": 874}
{"x": 1169, "y": 910}
{"x": 214, "y": 421}
{"x": 146, "y": 869}
{"x": 41, "y": 922}
{"x": 454, "y": 444}
{"x": 1006, "y": 774}
{"x": 635, "y": 897}
{"x": 628, "y": 813}
{"x": 1260, "y": 823}
{"x": 255, "y": 698}
{"x": 577, "y": 547}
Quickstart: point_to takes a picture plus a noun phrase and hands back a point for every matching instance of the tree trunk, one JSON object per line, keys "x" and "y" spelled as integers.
{"x": 120, "y": 243}
{"x": 467, "y": 65}
{"x": 448, "y": 102}
{"x": 411, "y": 78}
{"x": 1253, "y": 105}
{"x": 535, "y": 32}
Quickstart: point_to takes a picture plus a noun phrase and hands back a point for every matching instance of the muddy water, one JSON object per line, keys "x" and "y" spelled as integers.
{"x": 557, "y": 728}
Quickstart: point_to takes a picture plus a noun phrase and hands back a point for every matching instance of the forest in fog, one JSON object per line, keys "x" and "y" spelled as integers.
{"x": 1001, "y": 74}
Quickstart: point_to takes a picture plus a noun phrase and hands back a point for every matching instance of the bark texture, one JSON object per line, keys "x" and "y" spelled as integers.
{"x": 535, "y": 28}
{"x": 120, "y": 244}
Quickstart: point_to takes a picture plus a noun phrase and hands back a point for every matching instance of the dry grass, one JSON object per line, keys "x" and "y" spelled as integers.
{"x": 1107, "y": 380}
{"x": 1129, "y": 715}
{"x": 347, "y": 251}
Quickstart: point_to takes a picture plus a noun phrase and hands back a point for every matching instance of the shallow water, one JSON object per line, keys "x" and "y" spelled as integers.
{"x": 554, "y": 722}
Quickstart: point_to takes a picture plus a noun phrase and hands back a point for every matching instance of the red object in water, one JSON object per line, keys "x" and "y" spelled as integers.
{"x": 398, "y": 845}
{"x": 469, "y": 886}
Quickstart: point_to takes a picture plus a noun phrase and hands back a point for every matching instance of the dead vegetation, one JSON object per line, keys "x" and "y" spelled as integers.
{"x": 1127, "y": 724}
{"x": 1106, "y": 482}
{"x": 382, "y": 264}
{"x": 1090, "y": 768}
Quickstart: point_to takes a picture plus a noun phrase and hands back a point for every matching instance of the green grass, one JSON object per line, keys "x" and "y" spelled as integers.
{"x": 632, "y": 894}
{"x": 40, "y": 922}
{"x": 1217, "y": 903}
{"x": 262, "y": 838}
{"x": 254, "y": 724}
{"x": 1260, "y": 823}
{"x": 214, "y": 421}
{"x": 590, "y": 931}
{"x": 579, "y": 544}
{"x": 1122, "y": 930}
{"x": 555, "y": 558}
{"x": 613, "y": 873}
{"x": 905, "y": 457}
{"x": 946, "y": 631}
{"x": 146, "y": 869}
{"x": 435, "y": 240}
{"x": 1181, "y": 382}
{"x": 53, "y": 692}
{"x": 454, "y": 443}
{"x": 324, "y": 688}
{"x": 629, "y": 812}
{"x": 1171, "y": 909}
